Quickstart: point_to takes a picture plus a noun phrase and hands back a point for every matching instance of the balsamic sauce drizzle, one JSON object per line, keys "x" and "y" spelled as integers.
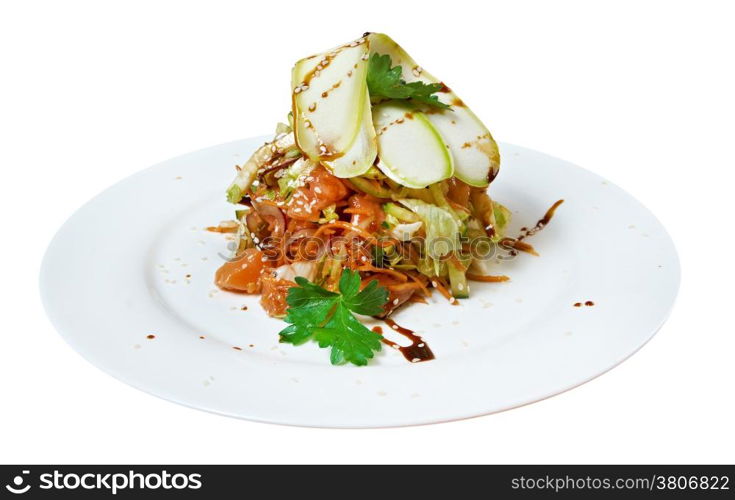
{"x": 542, "y": 222}
{"x": 517, "y": 244}
{"x": 417, "y": 352}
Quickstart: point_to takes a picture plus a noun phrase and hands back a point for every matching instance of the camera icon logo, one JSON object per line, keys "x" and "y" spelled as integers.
{"x": 17, "y": 487}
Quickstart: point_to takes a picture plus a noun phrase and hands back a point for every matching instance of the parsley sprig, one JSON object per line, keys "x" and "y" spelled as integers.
{"x": 328, "y": 317}
{"x": 387, "y": 82}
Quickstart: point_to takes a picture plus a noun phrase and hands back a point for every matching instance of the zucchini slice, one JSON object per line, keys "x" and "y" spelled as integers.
{"x": 410, "y": 150}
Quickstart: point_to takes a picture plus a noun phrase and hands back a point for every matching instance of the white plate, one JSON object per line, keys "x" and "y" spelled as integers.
{"x": 135, "y": 261}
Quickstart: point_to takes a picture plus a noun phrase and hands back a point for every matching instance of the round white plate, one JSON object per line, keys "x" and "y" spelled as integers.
{"x": 136, "y": 262}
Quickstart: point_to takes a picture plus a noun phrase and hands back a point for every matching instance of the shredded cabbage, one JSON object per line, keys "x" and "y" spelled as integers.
{"x": 442, "y": 227}
{"x": 404, "y": 232}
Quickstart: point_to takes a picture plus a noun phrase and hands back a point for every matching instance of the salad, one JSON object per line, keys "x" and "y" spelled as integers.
{"x": 372, "y": 196}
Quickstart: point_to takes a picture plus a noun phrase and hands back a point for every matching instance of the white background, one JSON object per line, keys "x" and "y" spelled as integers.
{"x": 639, "y": 92}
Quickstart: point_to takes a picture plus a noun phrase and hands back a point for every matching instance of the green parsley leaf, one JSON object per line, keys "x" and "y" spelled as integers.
{"x": 384, "y": 81}
{"x": 369, "y": 301}
{"x": 349, "y": 339}
{"x": 349, "y": 284}
{"x": 328, "y": 317}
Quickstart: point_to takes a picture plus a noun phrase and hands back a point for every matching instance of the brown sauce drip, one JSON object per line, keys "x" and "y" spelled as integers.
{"x": 517, "y": 244}
{"x": 417, "y": 352}
{"x": 444, "y": 89}
{"x": 326, "y": 61}
{"x": 542, "y": 222}
{"x": 492, "y": 174}
{"x": 325, "y": 94}
{"x": 589, "y": 303}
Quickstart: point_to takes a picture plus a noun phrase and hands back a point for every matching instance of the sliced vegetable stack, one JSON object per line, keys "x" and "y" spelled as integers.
{"x": 371, "y": 196}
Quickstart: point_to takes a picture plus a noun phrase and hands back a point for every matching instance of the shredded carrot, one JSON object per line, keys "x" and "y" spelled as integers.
{"x": 457, "y": 263}
{"x": 421, "y": 283}
{"x": 518, "y": 245}
{"x": 396, "y": 274}
{"x": 436, "y": 283}
{"x": 349, "y": 227}
{"x": 487, "y": 278}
